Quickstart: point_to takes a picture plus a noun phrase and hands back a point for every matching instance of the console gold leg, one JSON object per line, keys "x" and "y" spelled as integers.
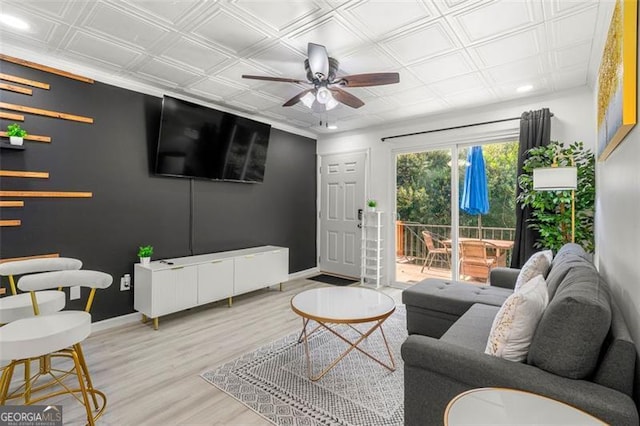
{"x": 230, "y": 301}
{"x": 144, "y": 319}
{"x": 280, "y": 286}
{"x": 156, "y": 322}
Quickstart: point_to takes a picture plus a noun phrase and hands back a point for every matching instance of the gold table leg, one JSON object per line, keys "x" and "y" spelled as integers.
{"x": 156, "y": 323}
{"x": 352, "y": 346}
{"x": 230, "y": 301}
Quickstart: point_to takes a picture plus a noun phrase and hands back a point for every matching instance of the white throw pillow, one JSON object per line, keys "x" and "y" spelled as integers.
{"x": 516, "y": 321}
{"x": 538, "y": 264}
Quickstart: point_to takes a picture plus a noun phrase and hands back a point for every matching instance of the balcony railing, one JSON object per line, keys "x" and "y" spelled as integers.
{"x": 411, "y": 246}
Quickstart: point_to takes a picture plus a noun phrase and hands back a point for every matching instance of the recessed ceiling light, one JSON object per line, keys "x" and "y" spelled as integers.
{"x": 13, "y": 22}
{"x": 332, "y": 126}
{"x": 525, "y": 88}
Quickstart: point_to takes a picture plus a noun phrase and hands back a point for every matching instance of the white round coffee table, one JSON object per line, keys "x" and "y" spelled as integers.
{"x": 501, "y": 406}
{"x": 343, "y": 305}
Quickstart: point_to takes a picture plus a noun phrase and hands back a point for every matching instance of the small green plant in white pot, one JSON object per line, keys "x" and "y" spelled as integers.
{"x": 144, "y": 253}
{"x": 16, "y": 134}
{"x": 372, "y": 205}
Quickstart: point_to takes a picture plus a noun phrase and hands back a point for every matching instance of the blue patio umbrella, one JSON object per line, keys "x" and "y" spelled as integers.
{"x": 475, "y": 193}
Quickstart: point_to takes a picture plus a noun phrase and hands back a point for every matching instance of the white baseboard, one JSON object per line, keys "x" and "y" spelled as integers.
{"x": 115, "y": 322}
{"x": 304, "y": 274}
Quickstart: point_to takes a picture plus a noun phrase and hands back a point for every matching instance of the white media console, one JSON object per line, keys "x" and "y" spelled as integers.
{"x": 166, "y": 286}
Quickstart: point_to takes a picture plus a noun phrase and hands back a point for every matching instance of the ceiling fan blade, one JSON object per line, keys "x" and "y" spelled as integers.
{"x": 284, "y": 80}
{"x": 346, "y": 98}
{"x": 318, "y": 60}
{"x": 297, "y": 98}
{"x": 373, "y": 79}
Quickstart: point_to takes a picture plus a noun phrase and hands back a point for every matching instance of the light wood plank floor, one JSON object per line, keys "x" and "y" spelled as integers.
{"x": 152, "y": 377}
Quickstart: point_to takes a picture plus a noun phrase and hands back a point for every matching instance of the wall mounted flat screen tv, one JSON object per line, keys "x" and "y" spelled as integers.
{"x": 200, "y": 142}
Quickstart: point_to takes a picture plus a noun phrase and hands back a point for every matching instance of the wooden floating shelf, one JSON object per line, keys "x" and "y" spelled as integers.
{"x": 10, "y": 116}
{"x": 11, "y": 203}
{"x": 7, "y": 145}
{"x": 17, "y": 173}
{"x": 45, "y": 68}
{"x": 46, "y": 113}
{"x": 16, "y": 79}
{"x": 11, "y": 222}
{"x": 38, "y": 256}
{"x": 35, "y": 138}
{"x": 45, "y": 194}
{"x": 17, "y": 89}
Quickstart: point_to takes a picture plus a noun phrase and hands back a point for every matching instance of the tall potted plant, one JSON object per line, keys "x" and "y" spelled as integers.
{"x": 551, "y": 210}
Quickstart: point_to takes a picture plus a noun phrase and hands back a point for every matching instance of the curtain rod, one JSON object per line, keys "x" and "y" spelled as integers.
{"x": 451, "y": 128}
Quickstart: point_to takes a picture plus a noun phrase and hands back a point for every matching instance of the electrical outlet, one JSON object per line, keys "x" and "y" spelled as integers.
{"x": 125, "y": 282}
{"x": 74, "y": 293}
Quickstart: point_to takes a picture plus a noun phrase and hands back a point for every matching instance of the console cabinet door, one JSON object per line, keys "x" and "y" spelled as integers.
{"x": 186, "y": 282}
{"x": 276, "y": 267}
{"x": 249, "y": 273}
{"x": 163, "y": 293}
{"x": 215, "y": 281}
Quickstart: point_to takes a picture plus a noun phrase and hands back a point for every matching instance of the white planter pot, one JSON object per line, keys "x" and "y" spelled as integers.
{"x": 145, "y": 260}
{"x": 15, "y": 140}
{"x": 372, "y": 209}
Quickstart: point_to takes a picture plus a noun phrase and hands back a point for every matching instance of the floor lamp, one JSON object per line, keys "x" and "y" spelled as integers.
{"x": 559, "y": 179}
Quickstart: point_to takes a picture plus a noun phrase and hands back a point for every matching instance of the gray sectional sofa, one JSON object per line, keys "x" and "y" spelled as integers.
{"x": 581, "y": 353}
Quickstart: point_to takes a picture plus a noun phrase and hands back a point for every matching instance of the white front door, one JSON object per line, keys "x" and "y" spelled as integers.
{"x": 342, "y": 195}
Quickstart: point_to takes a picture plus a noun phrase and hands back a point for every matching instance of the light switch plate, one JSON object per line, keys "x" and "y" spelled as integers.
{"x": 74, "y": 293}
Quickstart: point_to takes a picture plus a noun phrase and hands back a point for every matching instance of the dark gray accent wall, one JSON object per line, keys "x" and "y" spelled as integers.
{"x": 130, "y": 206}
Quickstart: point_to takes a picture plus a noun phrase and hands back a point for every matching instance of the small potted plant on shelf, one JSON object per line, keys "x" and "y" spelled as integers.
{"x": 144, "y": 253}
{"x": 16, "y": 134}
{"x": 372, "y": 205}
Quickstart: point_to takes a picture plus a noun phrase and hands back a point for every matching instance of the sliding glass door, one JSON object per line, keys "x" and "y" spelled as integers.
{"x": 431, "y": 236}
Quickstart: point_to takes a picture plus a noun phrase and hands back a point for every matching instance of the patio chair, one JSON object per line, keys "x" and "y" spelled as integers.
{"x": 433, "y": 251}
{"x": 474, "y": 260}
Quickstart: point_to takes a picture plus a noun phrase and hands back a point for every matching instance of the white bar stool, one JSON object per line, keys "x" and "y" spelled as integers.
{"x": 54, "y": 335}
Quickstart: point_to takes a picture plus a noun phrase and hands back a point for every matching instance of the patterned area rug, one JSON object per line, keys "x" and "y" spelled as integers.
{"x": 272, "y": 381}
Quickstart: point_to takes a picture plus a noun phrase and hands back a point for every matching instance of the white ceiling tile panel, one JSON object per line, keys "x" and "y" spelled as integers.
{"x": 282, "y": 59}
{"x": 569, "y": 78}
{"x": 256, "y": 100}
{"x": 227, "y": 30}
{"x": 366, "y": 60}
{"x": 412, "y": 96}
{"x": 442, "y": 67}
{"x": 381, "y": 17}
{"x": 572, "y": 56}
{"x": 329, "y": 32}
{"x": 472, "y": 97}
{"x": 508, "y": 90}
{"x": 554, "y": 8}
{"x": 50, "y": 7}
{"x": 93, "y": 47}
{"x": 490, "y": 19}
{"x": 234, "y": 72}
{"x": 526, "y": 68}
{"x": 214, "y": 88}
{"x": 124, "y": 26}
{"x": 458, "y": 84}
{"x": 169, "y": 11}
{"x": 420, "y": 43}
{"x": 194, "y": 54}
{"x": 510, "y": 48}
{"x": 277, "y": 17}
{"x": 421, "y": 108}
{"x": 165, "y": 72}
{"x": 574, "y": 28}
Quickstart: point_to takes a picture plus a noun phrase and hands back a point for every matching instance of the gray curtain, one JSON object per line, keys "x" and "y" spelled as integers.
{"x": 535, "y": 130}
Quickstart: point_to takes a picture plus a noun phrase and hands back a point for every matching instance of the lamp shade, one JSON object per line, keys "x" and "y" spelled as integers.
{"x": 555, "y": 178}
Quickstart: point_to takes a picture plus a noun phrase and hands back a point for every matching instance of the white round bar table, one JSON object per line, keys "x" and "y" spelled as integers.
{"x": 501, "y": 406}
{"x": 343, "y": 305}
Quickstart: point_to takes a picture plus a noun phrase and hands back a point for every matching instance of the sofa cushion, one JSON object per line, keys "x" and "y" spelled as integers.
{"x": 452, "y": 297}
{"x": 570, "y": 334}
{"x": 569, "y": 256}
{"x": 472, "y": 329}
{"x": 516, "y": 321}
{"x": 537, "y": 264}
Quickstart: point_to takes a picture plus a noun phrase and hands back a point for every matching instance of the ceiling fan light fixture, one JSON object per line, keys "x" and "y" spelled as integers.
{"x": 331, "y": 103}
{"x": 324, "y": 95}
{"x": 308, "y": 99}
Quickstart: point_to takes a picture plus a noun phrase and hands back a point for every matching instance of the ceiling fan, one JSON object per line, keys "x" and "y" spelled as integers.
{"x": 327, "y": 92}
